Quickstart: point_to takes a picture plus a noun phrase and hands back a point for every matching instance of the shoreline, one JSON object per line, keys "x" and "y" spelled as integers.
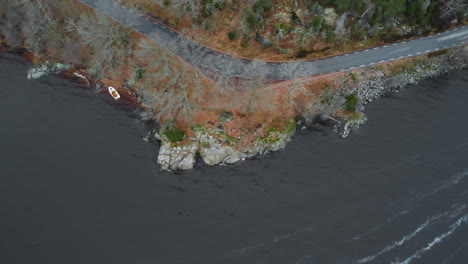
{"x": 215, "y": 145}
{"x": 128, "y": 96}
{"x": 370, "y": 84}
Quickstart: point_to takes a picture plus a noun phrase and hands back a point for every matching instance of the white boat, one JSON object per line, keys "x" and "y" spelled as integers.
{"x": 114, "y": 93}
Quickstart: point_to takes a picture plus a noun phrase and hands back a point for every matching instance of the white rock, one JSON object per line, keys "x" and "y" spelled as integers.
{"x": 177, "y": 158}
{"x": 38, "y": 71}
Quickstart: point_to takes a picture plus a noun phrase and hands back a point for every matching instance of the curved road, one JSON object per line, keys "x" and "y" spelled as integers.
{"x": 205, "y": 57}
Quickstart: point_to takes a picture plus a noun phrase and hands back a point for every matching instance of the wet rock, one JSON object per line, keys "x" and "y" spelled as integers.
{"x": 81, "y": 76}
{"x": 99, "y": 86}
{"x": 41, "y": 70}
{"x": 323, "y": 120}
{"x": 353, "y": 124}
{"x": 380, "y": 83}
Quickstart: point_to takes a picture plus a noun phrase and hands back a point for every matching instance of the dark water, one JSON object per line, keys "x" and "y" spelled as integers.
{"x": 79, "y": 185}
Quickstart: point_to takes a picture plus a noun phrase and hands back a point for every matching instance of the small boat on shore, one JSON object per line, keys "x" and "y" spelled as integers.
{"x": 113, "y": 92}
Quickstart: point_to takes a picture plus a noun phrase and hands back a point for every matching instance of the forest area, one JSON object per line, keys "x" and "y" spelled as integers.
{"x": 303, "y": 29}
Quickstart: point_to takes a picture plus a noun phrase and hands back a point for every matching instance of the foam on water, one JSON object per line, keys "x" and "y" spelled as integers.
{"x": 397, "y": 243}
{"x": 453, "y": 213}
{"x": 435, "y": 241}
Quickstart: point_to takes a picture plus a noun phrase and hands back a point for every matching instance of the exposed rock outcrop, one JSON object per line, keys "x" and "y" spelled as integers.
{"x": 173, "y": 157}
{"x": 215, "y": 147}
{"x": 354, "y": 123}
{"x": 41, "y": 70}
{"x": 374, "y": 82}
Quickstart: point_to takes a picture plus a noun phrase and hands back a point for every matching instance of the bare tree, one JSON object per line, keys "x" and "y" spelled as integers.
{"x": 330, "y": 101}
{"x": 11, "y": 18}
{"x": 296, "y": 86}
{"x": 170, "y": 102}
{"x": 224, "y": 84}
{"x": 37, "y": 28}
{"x": 36, "y": 24}
{"x": 72, "y": 52}
{"x": 256, "y": 80}
{"x": 450, "y": 8}
{"x": 171, "y": 88}
{"x": 110, "y": 42}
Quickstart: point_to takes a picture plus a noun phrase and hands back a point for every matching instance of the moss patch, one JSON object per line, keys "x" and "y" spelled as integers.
{"x": 174, "y": 134}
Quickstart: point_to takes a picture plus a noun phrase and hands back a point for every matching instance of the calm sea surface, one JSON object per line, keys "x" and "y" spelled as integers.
{"x": 79, "y": 185}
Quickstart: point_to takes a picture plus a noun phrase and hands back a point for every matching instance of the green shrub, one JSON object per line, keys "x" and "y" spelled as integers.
{"x": 282, "y": 28}
{"x": 255, "y": 16}
{"x": 354, "y": 76}
{"x": 426, "y": 21}
{"x": 388, "y": 34}
{"x": 232, "y": 35}
{"x": 359, "y": 6}
{"x": 234, "y": 5}
{"x": 377, "y": 17}
{"x": 139, "y": 73}
{"x": 302, "y": 53}
{"x": 295, "y": 18}
{"x": 212, "y": 6}
{"x": 352, "y": 101}
{"x": 411, "y": 10}
{"x": 250, "y": 18}
{"x": 330, "y": 36}
{"x": 208, "y": 25}
{"x": 262, "y": 5}
{"x": 431, "y": 7}
{"x": 245, "y": 43}
{"x": 358, "y": 32}
{"x": 420, "y": 12}
{"x": 392, "y": 8}
{"x": 219, "y": 5}
{"x": 427, "y": 18}
{"x": 298, "y": 118}
{"x": 317, "y": 22}
{"x": 174, "y": 134}
{"x": 326, "y": 2}
{"x": 342, "y": 5}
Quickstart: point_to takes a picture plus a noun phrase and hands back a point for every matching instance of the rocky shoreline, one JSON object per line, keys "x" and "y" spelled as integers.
{"x": 213, "y": 145}
{"x": 216, "y": 147}
{"x": 373, "y": 82}
{"x": 187, "y": 101}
